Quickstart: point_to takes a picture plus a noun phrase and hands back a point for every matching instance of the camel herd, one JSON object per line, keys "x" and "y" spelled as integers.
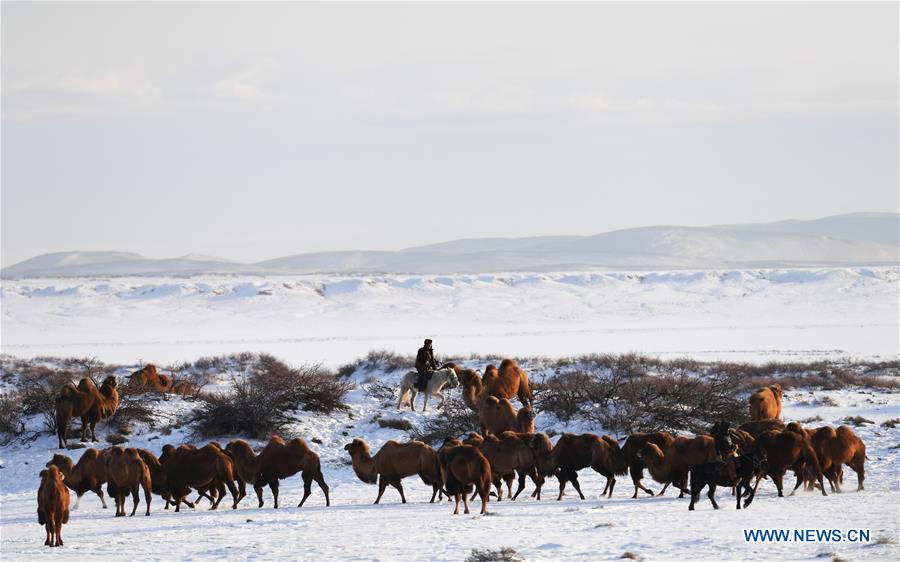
{"x": 508, "y": 449}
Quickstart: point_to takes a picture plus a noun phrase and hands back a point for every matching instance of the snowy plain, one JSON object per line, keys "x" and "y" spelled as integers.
{"x": 659, "y": 528}
{"x": 741, "y": 315}
{"x": 756, "y": 315}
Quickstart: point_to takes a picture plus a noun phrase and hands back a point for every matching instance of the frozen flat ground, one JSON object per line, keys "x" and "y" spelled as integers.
{"x": 353, "y": 529}
{"x": 746, "y": 315}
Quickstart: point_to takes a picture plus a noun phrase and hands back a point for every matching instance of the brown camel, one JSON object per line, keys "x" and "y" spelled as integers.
{"x": 765, "y": 403}
{"x": 88, "y": 403}
{"x": 757, "y": 428}
{"x": 510, "y": 456}
{"x": 785, "y": 450}
{"x": 575, "y": 452}
{"x": 53, "y": 505}
{"x": 277, "y": 461}
{"x": 394, "y": 462}
{"x": 88, "y": 475}
{"x": 204, "y": 468}
{"x": 672, "y": 465}
{"x": 835, "y": 448}
{"x": 149, "y": 378}
{"x": 463, "y": 466}
{"x": 127, "y": 472}
{"x": 472, "y": 388}
{"x": 636, "y": 466}
{"x": 497, "y": 415}
{"x": 509, "y": 381}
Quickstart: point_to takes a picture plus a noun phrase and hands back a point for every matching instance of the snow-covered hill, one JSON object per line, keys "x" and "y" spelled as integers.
{"x": 756, "y": 315}
{"x": 855, "y": 239}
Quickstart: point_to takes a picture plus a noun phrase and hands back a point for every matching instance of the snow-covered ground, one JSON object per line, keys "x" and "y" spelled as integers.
{"x": 746, "y": 315}
{"x": 352, "y": 529}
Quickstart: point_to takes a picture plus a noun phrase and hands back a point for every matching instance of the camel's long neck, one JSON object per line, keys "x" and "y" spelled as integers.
{"x": 364, "y": 467}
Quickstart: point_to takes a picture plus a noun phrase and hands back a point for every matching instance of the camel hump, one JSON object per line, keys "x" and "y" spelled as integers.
{"x": 276, "y": 440}
{"x": 508, "y": 363}
{"x": 68, "y": 390}
{"x": 86, "y": 385}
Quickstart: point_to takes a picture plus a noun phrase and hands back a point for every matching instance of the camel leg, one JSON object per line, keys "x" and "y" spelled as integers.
{"x": 94, "y": 432}
{"x": 425, "y": 404}
{"x": 611, "y": 482}
{"x": 242, "y": 489}
{"x": 465, "y": 504}
{"x": 273, "y": 485}
{"x": 562, "y": 487}
{"x": 58, "y": 526}
{"x": 779, "y": 483}
{"x": 577, "y": 485}
{"x": 307, "y": 487}
{"x": 399, "y": 486}
{"x": 484, "y": 502}
{"x": 509, "y": 481}
{"x": 99, "y": 491}
{"x": 382, "y": 484}
{"x": 712, "y": 495}
{"x": 520, "y": 485}
{"x": 135, "y": 500}
{"x": 638, "y": 485}
{"x": 456, "y": 511}
{"x": 434, "y": 492}
{"x": 860, "y": 470}
{"x": 259, "y": 490}
{"x": 147, "y": 496}
{"x": 412, "y": 400}
{"x": 663, "y": 491}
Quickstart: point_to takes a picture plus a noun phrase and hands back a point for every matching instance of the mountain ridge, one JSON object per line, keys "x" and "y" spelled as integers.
{"x": 840, "y": 240}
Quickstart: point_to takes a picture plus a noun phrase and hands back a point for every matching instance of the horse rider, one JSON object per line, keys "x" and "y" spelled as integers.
{"x": 425, "y": 365}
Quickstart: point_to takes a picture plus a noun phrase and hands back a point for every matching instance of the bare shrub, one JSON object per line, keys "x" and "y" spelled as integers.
{"x": 39, "y": 387}
{"x": 857, "y": 420}
{"x": 11, "y": 416}
{"x": 384, "y": 393}
{"x": 505, "y": 554}
{"x": 624, "y": 400}
{"x": 134, "y": 408}
{"x": 567, "y": 395}
{"x": 454, "y": 419}
{"x": 380, "y": 360}
{"x": 263, "y": 400}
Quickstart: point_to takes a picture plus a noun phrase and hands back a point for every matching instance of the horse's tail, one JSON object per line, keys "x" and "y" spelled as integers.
{"x": 405, "y": 388}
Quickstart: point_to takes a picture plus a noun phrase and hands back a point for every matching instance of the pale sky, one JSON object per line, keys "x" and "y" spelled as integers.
{"x": 253, "y": 131}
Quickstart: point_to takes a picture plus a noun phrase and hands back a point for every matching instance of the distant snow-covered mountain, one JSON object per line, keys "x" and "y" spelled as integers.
{"x": 843, "y": 240}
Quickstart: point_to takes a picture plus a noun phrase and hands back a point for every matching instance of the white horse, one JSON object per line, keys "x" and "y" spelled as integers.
{"x": 440, "y": 379}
